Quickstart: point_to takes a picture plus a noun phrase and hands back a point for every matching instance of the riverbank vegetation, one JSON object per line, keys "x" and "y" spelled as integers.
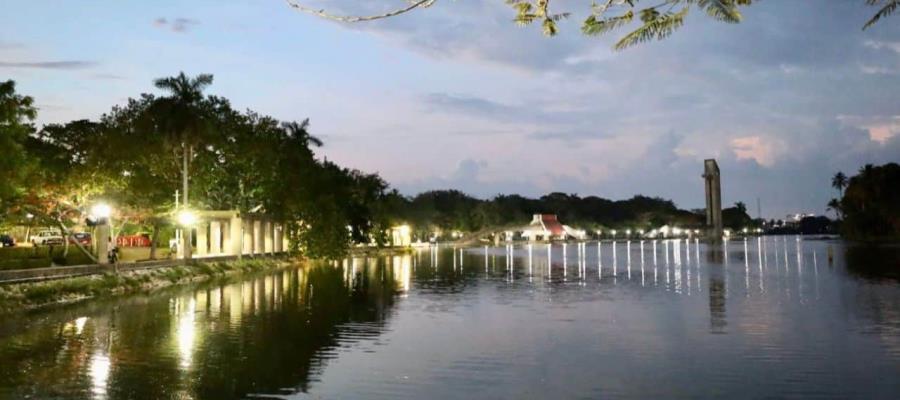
{"x": 133, "y": 156}
{"x": 870, "y": 203}
{"x": 14, "y": 297}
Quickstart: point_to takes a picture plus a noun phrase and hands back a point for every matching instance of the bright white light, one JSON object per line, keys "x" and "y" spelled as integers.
{"x": 101, "y": 210}
{"x": 185, "y": 333}
{"x": 79, "y": 324}
{"x": 186, "y": 218}
{"x": 99, "y": 371}
{"x": 745, "y": 230}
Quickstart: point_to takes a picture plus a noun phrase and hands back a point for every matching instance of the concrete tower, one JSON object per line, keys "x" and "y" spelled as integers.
{"x": 713, "y": 199}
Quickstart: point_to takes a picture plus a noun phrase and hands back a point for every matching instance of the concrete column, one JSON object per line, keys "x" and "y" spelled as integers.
{"x": 226, "y": 237}
{"x": 215, "y": 237}
{"x": 236, "y": 237}
{"x": 258, "y": 240}
{"x": 713, "y": 199}
{"x": 102, "y": 240}
{"x": 285, "y": 242}
{"x": 269, "y": 237}
{"x": 247, "y": 228}
{"x": 278, "y": 241}
{"x": 202, "y": 239}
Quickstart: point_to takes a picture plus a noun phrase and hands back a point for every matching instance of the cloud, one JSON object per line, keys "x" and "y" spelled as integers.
{"x": 887, "y": 45}
{"x": 880, "y": 127}
{"x": 107, "y": 76}
{"x": 60, "y": 65}
{"x": 178, "y": 25}
{"x": 754, "y": 148}
{"x": 472, "y": 106}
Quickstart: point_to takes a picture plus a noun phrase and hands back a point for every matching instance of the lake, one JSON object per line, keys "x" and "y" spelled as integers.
{"x": 766, "y": 317}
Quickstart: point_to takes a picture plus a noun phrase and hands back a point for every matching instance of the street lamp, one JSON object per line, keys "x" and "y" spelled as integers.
{"x": 100, "y": 213}
{"x": 186, "y": 218}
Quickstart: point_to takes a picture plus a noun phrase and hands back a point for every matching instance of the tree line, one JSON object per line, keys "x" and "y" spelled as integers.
{"x": 868, "y": 206}
{"x": 137, "y": 154}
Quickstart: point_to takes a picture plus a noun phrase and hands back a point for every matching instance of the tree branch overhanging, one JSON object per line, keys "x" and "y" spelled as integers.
{"x": 413, "y": 4}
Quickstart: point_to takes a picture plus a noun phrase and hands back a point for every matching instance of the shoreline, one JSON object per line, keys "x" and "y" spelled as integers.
{"x": 28, "y": 296}
{"x": 34, "y": 295}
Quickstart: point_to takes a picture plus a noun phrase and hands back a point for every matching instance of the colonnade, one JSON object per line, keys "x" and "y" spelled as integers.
{"x": 230, "y": 233}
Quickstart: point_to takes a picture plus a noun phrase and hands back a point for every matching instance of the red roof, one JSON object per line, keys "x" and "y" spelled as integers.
{"x": 552, "y": 224}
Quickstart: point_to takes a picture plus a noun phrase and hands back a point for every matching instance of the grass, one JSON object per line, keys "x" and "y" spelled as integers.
{"x": 28, "y": 295}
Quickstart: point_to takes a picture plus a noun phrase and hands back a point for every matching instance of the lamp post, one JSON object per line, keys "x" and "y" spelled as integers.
{"x": 187, "y": 219}
{"x": 100, "y": 213}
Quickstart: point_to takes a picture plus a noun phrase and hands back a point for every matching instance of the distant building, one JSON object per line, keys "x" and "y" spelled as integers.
{"x": 548, "y": 227}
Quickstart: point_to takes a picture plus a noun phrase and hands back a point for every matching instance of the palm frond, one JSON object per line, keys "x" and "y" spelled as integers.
{"x": 593, "y": 26}
{"x": 885, "y": 11}
{"x": 721, "y": 10}
{"x": 655, "y": 29}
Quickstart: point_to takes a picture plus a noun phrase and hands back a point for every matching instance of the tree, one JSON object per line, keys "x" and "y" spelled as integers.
{"x": 16, "y": 114}
{"x": 741, "y": 207}
{"x": 656, "y": 21}
{"x": 839, "y": 182}
{"x": 835, "y": 205}
{"x": 184, "y": 122}
{"x": 871, "y": 203}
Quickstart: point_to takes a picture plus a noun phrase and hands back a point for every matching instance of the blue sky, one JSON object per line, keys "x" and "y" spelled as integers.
{"x": 457, "y": 96}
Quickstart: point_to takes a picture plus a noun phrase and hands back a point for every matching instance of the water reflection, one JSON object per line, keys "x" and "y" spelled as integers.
{"x": 487, "y": 322}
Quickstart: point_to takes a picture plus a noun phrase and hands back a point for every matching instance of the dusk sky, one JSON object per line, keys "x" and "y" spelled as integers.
{"x": 457, "y": 96}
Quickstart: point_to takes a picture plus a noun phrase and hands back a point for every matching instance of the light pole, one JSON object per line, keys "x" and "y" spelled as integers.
{"x": 100, "y": 213}
{"x": 186, "y": 219}
{"x": 188, "y": 232}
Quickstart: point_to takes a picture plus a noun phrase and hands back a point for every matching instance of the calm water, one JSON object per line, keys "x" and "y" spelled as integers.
{"x": 769, "y": 318}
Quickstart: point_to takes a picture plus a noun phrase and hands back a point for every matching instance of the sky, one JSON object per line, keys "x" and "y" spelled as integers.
{"x": 458, "y": 96}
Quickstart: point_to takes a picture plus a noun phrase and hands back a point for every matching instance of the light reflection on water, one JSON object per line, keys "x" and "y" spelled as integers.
{"x": 757, "y": 317}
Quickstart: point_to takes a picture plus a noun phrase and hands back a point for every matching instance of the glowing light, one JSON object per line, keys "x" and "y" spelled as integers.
{"x": 628, "y": 232}
{"x": 404, "y": 230}
{"x": 79, "y": 324}
{"x": 745, "y": 230}
{"x": 676, "y": 231}
{"x": 185, "y": 334}
{"x": 187, "y": 218}
{"x": 101, "y": 210}
{"x": 99, "y": 371}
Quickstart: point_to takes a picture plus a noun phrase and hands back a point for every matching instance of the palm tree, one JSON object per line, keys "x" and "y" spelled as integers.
{"x": 835, "y": 205}
{"x": 839, "y": 182}
{"x": 299, "y": 132}
{"x": 184, "y": 122}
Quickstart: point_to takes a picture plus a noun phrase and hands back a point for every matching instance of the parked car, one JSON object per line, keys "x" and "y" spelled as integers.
{"x": 7, "y": 241}
{"x": 46, "y": 238}
{"x": 82, "y": 238}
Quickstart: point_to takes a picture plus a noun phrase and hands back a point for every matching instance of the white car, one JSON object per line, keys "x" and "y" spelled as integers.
{"x": 46, "y": 238}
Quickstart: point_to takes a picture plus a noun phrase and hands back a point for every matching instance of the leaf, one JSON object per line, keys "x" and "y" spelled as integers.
{"x": 721, "y": 10}
{"x": 592, "y": 26}
{"x": 656, "y": 29}
{"x": 885, "y": 11}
